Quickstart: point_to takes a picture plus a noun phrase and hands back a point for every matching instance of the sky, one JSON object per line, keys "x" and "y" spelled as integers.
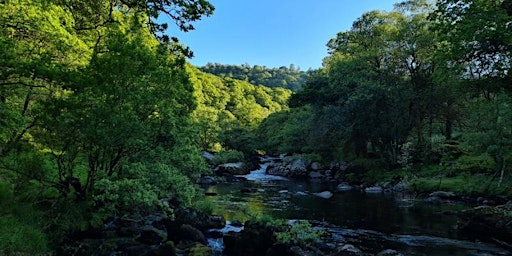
{"x": 272, "y": 33}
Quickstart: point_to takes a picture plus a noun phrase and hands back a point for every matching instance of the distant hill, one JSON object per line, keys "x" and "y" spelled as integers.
{"x": 224, "y": 103}
{"x": 286, "y": 77}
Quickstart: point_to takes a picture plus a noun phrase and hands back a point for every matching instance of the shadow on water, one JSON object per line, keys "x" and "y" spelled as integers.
{"x": 371, "y": 221}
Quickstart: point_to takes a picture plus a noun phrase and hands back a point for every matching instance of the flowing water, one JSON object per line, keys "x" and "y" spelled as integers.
{"x": 372, "y": 222}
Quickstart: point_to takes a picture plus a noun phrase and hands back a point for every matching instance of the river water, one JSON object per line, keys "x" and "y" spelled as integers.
{"x": 372, "y": 222}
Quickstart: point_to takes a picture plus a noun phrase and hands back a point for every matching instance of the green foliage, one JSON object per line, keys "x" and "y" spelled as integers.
{"x": 205, "y": 206}
{"x": 21, "y": 224}
{"x": 21, "y": 236}
{"x": 286, "y": 77}
{"x": 227, "y": 106}
{"x": 228, "y": 156}
{"x": 141, "y": 186}
{"x": 95, "y": 115}
{"x": 299, "y": 233}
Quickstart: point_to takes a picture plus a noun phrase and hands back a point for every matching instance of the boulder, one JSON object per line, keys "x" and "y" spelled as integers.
{"x": 374, "y": 189}
{"x": 231, "y": 168}
{"x": 315, "y": 166}
{"x": 402, "y": 186}
{"x": 349, "y": 249}
{"x": 342, "y": 187}
{"x": 207, "y": 180}
{"x": 316, "y": 175}
{"x": 486, "y": 223}
{"x": 298, "y": 167}
{"x": 189, "y": 233}
{"x": 152, "y": 236}
{"x": 443, "y": 195}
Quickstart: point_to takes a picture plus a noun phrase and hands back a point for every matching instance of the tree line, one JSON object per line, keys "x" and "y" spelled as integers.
{"x": 291, "y": 77}
{"x": 426, "y": 85}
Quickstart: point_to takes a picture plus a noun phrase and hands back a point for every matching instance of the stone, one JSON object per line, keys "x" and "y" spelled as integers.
{"x": 443, "y": 195}
{"x": 374, "y": 189}
{"x": 201, "y": 250}
{"x": 389, "y": 252}
{"x": 344, "y": 187}
{"x": 151, "y": 235}
{"x": 216, "y": 221}
{"x": 300, "y": 193}
{"x": 208, "y": 156}
{"x": 315, "y": 166}
{"x": 351, "y": 249}
{"x": 315, "y": 175}
{"x": 401, "y": 186}
{"x": 324, "y": 194}
{"x": 232, "y": 168}
{"x": 189, "y": 233}
{"x": 207, "y": 180}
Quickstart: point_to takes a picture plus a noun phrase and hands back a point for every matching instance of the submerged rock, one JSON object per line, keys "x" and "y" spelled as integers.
{"x": 389, "y": 252}
{"x": 324, "y": 194}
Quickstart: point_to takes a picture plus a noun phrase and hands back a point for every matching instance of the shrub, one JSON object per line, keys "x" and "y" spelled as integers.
{"x": 228, "y": 156}
{"x": 300, "y": 233}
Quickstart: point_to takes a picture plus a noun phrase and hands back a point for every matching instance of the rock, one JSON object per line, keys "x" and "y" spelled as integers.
{"x": 351, "y": 250}
{"x": 232, "y": 169}
{"x": 189, "y": 233}
{"x": 297, "y": 251}
{"x": 374, "y": 189}
{"x": 402, "y": 186}
{"x": 200, "y": 250}
{"x": 254, "y": 240}
{"x": 389, "y": 252}
{"x": 300, "y": 193}
{"x": 215, "y": 234}
{"x": 208, "y": 156}
{"x": 207, "y": 180}
{"x": 315, "y": 166}
{"x": 237, "y": 223}
{"x": 246, "y": 190}
{"x": 443, "y": 195}
{"x": 486, "y": 223}
{"x": 344, "y": 187}
{"x": 195, "y": 218}
{"x": 315, "y": 175}
{"x": 167, "y": 248}
{"x": 136, "y": 250}
{"x": 324, "y": 194}
{"x": 298, "y": 168}
{"x": 216, "y": 221}
{"x": 151, "y": 236}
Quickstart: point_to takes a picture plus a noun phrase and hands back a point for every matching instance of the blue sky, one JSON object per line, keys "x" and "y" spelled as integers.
{"x": 273, "y": 33}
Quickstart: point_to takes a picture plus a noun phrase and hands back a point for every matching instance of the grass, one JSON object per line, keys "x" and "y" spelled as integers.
{"x": 463, "y": 184}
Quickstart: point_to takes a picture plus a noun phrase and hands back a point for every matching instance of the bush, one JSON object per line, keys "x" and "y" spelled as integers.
{"x": 300, "y": 233}
{"x": 228, "y": 156}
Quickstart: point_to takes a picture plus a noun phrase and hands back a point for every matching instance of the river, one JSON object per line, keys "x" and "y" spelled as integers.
{"x": 370, "y": 221}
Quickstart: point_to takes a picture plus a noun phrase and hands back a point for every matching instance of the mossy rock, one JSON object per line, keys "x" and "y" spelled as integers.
{"x": 487, "y": 223}
{"x": 201, "y": 250}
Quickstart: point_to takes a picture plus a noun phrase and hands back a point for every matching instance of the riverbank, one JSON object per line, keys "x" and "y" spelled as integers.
{"x": 489, "y": 213}
{"x": 359, "y": 221}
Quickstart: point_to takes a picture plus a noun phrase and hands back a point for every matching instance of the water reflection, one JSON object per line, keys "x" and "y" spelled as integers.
{"x": 400, "y": 222}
